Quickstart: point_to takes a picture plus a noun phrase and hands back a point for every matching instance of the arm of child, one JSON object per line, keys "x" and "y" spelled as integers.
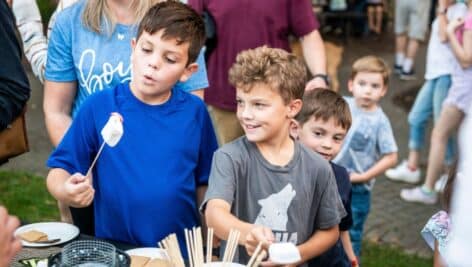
{"x": 347, "y": 245}
{"x": 218, "y": 216}
{"x": 462, "y": 52}
{"x": 321, "y": 241}
{"x": 442, "y": 21}
{"x": 437, "y": 260}
{"x": 387, "y": 161}
{"x": 73, "y": 190}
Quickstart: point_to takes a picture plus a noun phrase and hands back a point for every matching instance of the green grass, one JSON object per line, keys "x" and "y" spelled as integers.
{"x": 46, "y": 8}
{"x": 25, "y": 196}
{"x": 375, "y": 255}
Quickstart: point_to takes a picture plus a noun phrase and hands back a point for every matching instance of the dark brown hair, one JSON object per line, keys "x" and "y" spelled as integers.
{"x": 178, "y": 21}
{"x": 371, "y": 64}
{"x": 325, "y": 104}
{"x": 282, "y": 71}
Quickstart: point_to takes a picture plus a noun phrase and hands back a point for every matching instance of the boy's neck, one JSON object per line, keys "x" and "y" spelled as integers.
{"x": 151, "y": 99}
{"x": 277, "y": 152}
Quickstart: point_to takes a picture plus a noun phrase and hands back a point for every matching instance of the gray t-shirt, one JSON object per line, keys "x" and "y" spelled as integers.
{"x": 292, "y": 200}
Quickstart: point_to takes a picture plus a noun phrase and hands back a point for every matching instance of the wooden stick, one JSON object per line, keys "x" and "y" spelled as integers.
{"x": 209, "y": 245}
{"x": 259, "y": 258}
{"x": 235, "y": 245}
{"x": 89, "y": 171}
{"x": 254, "y": 255}
{"x": 189, "y": 250}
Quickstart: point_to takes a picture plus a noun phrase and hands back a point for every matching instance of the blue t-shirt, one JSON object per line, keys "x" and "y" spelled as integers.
{"x": 97, "y": 61}
{"x": 336, "y": 256}
{"x": 369, "y": 137}
{"x": 146, "y": 184}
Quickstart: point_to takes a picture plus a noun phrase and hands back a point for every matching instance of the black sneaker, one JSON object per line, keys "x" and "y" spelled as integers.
{"x": 397, "y": 69}
{"x": 407, "y": 76}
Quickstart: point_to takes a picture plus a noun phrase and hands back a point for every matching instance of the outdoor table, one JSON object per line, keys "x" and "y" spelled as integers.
{"x": 44, "y": 252}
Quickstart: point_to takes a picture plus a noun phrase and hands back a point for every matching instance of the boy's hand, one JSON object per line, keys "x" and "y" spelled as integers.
{"x": 79, "y": 191}
{"x": 454, "y": 24}
{"x": 9, "y": 244}
{"x": 258, "y": 234}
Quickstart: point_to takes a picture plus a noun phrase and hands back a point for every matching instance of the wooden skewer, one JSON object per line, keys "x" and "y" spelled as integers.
{"x": 209, "y": 245}
{"x": 189, "y": 250}
{"x": 235, "y": 245}
{"x": 254, "y": 255}
{"x": 259, "y": 258}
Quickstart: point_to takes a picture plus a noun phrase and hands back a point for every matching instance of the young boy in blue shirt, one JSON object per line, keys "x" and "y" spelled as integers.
{"x": 322, "y": 125}
{"x": 264, "y": 184}
{"x": 369, "y": 148}
{"x": 148, "y": 185}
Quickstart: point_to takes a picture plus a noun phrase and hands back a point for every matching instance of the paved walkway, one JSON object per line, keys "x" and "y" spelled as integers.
{"x": 391, "y": 220}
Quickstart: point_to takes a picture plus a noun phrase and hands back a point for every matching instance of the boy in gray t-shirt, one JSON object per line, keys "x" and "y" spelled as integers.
{"x": 264, "y": 184}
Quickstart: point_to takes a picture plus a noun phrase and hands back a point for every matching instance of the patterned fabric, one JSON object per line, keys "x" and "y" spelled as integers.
{"x": 30, "y": 26}
{"x": 437, "y": 228}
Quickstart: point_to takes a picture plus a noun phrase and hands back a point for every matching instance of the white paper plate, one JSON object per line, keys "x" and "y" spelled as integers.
{"x": 153, "y": 253}
{"x": 284, "y": 253}
{"x": 64, "y": 231}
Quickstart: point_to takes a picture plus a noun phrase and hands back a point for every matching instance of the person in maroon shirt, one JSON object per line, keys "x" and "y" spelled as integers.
{"x": 246, "y": 24}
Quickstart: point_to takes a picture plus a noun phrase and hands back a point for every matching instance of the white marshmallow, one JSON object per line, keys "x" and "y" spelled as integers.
{"x": 284, "y": 253}
{"x": 113, "y": 130}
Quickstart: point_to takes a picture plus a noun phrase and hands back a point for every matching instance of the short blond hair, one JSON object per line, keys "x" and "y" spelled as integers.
{"x": 371, "y": 64}
{"x": 282, "y": 71}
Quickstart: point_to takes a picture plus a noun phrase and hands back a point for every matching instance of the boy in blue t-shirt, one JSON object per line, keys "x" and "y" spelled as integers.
{"x": 321, "y": 125}
{"x": 369, "y": 148}
{"x": 148, "y": 185}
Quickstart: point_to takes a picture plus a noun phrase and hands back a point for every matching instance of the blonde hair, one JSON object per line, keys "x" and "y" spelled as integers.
{"x": 97, "y": 12}
{"x": 282, "y": 71}
{"x": 371, "y": 64}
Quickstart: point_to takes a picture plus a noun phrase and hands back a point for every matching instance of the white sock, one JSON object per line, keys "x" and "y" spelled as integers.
{"x": 407, "y": 64}
{"x": 399, "y": 58}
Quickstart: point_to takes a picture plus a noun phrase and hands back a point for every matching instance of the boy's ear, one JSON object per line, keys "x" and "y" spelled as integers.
{"x": 350, "y": 85}
{"x": 133, "y": 44}
{"x": 189, "y": 70}
{"x": 295, "y": 128}
{"x": 294, "y": 107}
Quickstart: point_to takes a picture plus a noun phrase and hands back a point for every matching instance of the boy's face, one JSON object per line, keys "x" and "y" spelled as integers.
{"x": 324, "y": 137}
{"x": 157, "y": 65}
{"x": 367, "y": 88}
{"x": 263, "y": 115}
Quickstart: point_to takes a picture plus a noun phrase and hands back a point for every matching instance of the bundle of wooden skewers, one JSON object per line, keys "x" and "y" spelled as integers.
{"x": 195, "y": 250}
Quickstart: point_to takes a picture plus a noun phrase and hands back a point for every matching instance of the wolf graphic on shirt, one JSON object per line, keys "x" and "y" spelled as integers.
{"x": 274, "y": 209}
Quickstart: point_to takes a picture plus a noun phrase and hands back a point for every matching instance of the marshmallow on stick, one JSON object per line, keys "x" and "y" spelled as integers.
{"x": 113, "y": 130}
{"x": 111, "y": 133}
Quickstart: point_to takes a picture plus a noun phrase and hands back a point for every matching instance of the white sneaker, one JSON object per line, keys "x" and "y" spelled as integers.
{"x": 441, "y": 183}
{"x": 417, "y": 194}
{"x": 404, "y": 174}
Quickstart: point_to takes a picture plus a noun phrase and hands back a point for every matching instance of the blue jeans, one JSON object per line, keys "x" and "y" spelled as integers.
{"x": 428, "y": 103}
{"x": 360, "y": 207}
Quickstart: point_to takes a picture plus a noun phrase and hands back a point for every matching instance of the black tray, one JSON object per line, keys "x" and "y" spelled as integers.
{"x": 122, "y": 259}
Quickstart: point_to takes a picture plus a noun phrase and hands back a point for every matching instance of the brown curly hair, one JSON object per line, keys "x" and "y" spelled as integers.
{"x": 282, "y": 71}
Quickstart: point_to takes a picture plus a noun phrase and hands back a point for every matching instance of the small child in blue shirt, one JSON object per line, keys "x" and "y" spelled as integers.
{"x": 322, "y": 125}
{"x": 148, "y": 185}
{"x": 369, "y": 148}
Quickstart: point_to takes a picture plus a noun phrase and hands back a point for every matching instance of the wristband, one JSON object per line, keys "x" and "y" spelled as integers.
{"x": 324, "y": 77}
